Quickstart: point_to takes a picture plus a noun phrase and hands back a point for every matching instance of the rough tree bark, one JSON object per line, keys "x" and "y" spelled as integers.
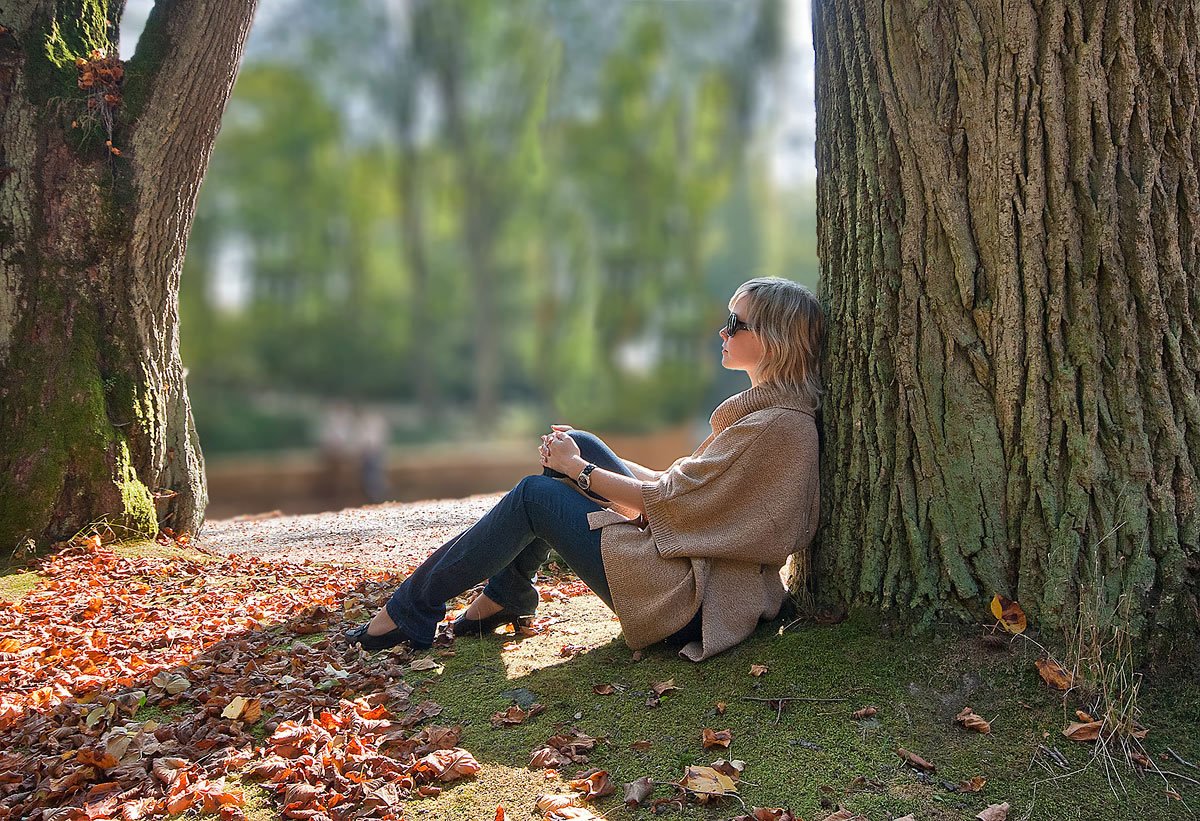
{"x": 94, "y": 416}
{"x": 1008, "y": 229}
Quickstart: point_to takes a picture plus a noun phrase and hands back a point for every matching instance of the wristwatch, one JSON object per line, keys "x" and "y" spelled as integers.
{"x": 585, "y": 476}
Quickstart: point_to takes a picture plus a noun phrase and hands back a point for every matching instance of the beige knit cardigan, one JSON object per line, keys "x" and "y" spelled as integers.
{"x": 721, "y": 523}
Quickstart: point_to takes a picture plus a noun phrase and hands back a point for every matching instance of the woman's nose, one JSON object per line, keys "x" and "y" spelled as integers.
{"x": 723, "y": 333}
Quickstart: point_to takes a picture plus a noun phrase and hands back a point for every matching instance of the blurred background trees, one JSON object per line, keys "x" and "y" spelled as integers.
{"x": 476, "y": 218}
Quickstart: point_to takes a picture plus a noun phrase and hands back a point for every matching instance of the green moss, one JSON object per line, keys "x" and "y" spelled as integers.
{"x": 139, "y": 513}
{"x": 77, "y": 28}
{"x": 816, "y": 751}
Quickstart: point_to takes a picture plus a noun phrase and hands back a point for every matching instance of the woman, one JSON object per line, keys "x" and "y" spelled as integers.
{"x": 691, "y": 553}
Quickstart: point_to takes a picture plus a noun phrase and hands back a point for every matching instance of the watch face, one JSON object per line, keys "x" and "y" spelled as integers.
{"x": 585, "y": 481}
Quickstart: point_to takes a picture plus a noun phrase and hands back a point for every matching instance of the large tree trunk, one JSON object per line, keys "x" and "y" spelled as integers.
{"x": 94, "y": 415}
{"x": 1008, "y": 229}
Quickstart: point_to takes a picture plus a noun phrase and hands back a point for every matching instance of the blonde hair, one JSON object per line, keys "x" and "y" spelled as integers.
{"x": 790, "y": 324}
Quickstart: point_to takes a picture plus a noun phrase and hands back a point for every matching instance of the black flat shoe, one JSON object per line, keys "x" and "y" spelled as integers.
{"x": 462, "y": 626}
{"x": 392, "y": 638}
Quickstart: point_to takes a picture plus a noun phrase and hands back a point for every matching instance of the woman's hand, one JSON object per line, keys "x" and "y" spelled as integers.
{"x": 559, "y": 451}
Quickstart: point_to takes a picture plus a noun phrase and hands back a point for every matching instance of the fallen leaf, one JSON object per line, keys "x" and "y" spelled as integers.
{"x": 603, "y": 689}
{"x": 721, "y": 705}
{"x": 595, "y": 784}
{"x": 711, "y": 739}
{"x": 968, "y": 719}
{"x": 1172, "y": 794}
{"x": 843, "y": 814}
{"x": 547, "y": 758}
{"x": 994, "y": 812}
{"x": 426, "y": 663}
{"x": 660, "y": 687}
{"x": 1009, "y": 614}
{"x": 1087, "y": 731}
{"x": 500, "y": 813}
{"x": 974, "y": 785}
{"x": 1053, "y": 674}
{"x": 640, "y": 746}
{"x": 758, "y": 669}
{"x": 1082, "y": 716}
{"x": 513, "y": 715}
{"x": 552, "y": 803}
{"x": 448, "y": 765}
{"x": 638, "y": 791}
{"x": 865, "y": 712}
{"x": 572, "y": 814}
{"x": 707, "y": 783}
{"x": 915, "y": 760}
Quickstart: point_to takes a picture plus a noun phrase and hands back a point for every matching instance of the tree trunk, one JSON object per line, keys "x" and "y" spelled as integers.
{"x": 1008, "y": 231}
{"x": 96, "y": 201}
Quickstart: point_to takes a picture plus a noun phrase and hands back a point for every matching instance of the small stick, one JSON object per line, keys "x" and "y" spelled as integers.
{"x": 1054, "y": 755}
{"x": 791, "y": 698}
{"x": 1180, "y": 775}
{"x": 1176, "y": 756}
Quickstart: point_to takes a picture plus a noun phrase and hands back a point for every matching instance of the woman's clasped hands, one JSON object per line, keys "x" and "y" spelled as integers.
{"x": 558, "y": 450}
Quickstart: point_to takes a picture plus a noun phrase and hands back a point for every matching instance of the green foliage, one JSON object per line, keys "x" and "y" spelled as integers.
{"x": 598, "y": 178}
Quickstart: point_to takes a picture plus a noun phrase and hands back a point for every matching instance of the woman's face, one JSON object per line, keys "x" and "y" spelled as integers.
{"x": 743, "y": 350}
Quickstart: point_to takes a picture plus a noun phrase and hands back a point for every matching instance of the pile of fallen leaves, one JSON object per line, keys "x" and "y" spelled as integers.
{"x": 213, "y": 646}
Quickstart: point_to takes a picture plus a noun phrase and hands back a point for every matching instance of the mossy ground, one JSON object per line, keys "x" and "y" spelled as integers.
{"x": 816, "y": 751}
{"x": 811, "y": 758}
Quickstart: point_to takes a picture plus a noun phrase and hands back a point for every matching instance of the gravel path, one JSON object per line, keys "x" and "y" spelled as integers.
{"x": 390, "y": 535}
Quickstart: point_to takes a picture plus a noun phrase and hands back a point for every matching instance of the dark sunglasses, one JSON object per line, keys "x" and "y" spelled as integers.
{"x": 733, "y": 325}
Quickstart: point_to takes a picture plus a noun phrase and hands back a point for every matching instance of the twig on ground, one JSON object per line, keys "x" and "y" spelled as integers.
{"x": 778, "y": 702}
{"x": 1181, "y": 776}
{"x": 1177, "y": 757}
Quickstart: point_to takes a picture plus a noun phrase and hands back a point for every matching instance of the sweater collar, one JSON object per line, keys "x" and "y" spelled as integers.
{"x": 756, "y": 399}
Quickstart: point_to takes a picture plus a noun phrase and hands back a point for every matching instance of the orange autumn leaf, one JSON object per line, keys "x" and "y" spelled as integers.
{"x": 758, "y": 669}
{"x": 1009, "y": 614}
{"x": 975, "y": 784}
{"x": 865, "y": 712}
{"x": 712, "y": 739}
{"x": 595, "y": 784}
{"x": 1083, "y": 731}
{"x": 1053, "y": 674}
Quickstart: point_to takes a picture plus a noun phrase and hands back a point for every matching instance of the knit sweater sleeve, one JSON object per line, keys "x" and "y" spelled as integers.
{"x": 746, "y": 497}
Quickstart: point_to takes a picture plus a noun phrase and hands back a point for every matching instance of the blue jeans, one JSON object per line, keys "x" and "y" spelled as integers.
{"x": 508, "y": 545}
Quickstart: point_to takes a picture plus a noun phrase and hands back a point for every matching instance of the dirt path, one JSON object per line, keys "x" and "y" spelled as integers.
{"x": 388, "y": 535}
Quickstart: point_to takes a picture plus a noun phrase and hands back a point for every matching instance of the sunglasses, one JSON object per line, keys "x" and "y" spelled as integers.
{"x": 733, "y": 325}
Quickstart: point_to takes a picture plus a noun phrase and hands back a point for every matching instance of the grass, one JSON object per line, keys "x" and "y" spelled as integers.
{"x": 816, "y": 757}
{"x": 816, "y": 751}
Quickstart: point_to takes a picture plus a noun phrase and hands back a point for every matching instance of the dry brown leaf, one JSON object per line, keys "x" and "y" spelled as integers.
{"x": 1009, "y": 614}
{"x": 1082, "y": 716}
{"x": 758, "y": 669}
{"x": 843, "y": 814}
{"x": 660, "y": 687}
{"x": 1172, "y": 794}
{"x": 711, "y": 739}
{"x": 865, "y": 712}
{"x": 513, "y": 715}
{"x": 595, "y": 784}
{"x": 1086, "y": 731}
{"x": 994, "y": 812}
{"x": 974, "y": 785}
{"x": 640, "y": 746}
{"x": 448, "y": 765}
{"x": 603, "y": 689}
{"x": 967, "y": 718}
{"x": 638, "y": 791}
{"x": 915, "y": 760}
{"x": 545, "y": 758}
{"x": 551, "y": 803}
{"x": 707, "y": 783}
{"x": 1053, "y": 674}
{"x": 721, "y": 705}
